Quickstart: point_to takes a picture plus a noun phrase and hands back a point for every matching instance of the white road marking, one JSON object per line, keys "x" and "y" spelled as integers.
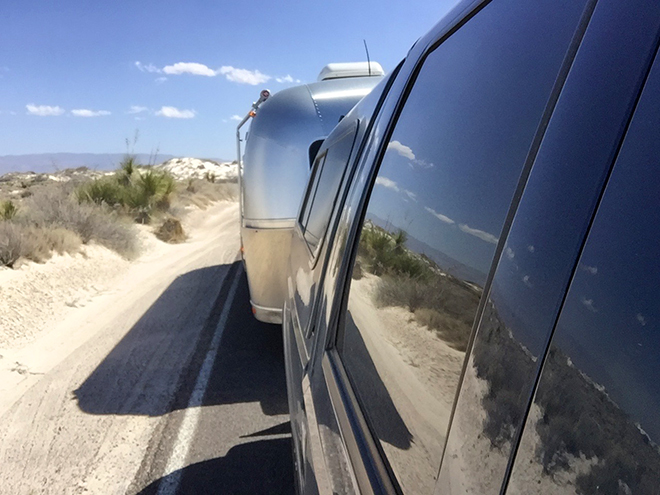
{"x": 175, "y": 464}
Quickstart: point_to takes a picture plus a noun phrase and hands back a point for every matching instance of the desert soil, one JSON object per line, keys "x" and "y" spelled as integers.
{"x": 63, "y": 322}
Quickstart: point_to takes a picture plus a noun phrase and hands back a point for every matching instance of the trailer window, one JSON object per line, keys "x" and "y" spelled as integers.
{"x": 313, "y": 150}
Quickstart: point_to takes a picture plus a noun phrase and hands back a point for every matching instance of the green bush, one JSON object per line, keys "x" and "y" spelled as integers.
{"x": 106, "y": 190}
{"x": 8, "y": 210}
{"x": 139, "y": 194}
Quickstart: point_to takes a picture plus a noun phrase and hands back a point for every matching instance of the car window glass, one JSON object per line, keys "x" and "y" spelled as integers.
{"x": 330, "y": 174}
{"x": 312, "y": 187}
{"x": 594, "y": 424}
{"x": 434, "y": 218}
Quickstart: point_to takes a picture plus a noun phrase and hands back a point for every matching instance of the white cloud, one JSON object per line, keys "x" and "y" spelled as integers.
{"x": 160, "y": 80}
{"x": 407, "y": 152}
{"x": 531, "y": 248}
{"x": 287, "y": 79}
{"x": 591, "y": 269}
{"x": 410, "y": 194}
{"x": 243, "y": 76}
{"x": 385, "y": 182}
{"x": 43, "y": 110}
{"x": 401, "y": 149}
{"x": 137, "y": 109}
{"x": 526, "y": 281}
{"x": 510, "y": 253}
{"x": 641, "y": 319}
{"x": 84, "y": 112}
{"x": 589, "y": 304}
{"x": 439, "y": 216}
{"x": 189, "y": 68}
{"x": 147, "y": 68}
{"x": 236, "y": 117}
{"x": 484, "y": 236}
{"x": 175, "y": 113}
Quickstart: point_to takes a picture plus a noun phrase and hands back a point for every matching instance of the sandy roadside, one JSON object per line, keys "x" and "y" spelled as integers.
{"x": 83, "y": 308}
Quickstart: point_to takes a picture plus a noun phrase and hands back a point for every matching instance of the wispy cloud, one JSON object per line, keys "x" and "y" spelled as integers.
{"x": 147, "y": 67}
{"x": 484, "y": 236}
{"x": 410, "y": 194}
{"x": 243, "y": 76}
{"x": 236, "y": 117}
{"x": 189, "y": 68}
{"x": 510, "y": 253}
{"x": 43, "y": 110}
{"x": 385, "y": 182}
{"x": 531, "y": 248}
{"x": 137, "y": 109}
{"x": 287, "y": 79}
{"x": 589, "y": 304}
{"x": 160, "y": 80}
{"x": 526, "y": 281}
{"x": 175, "y": 113}
{"x": 440, "y": 216}
{"x": 590, "y": 269}
{"x": 641, "y": 319}
{"x": 84, "y": 112}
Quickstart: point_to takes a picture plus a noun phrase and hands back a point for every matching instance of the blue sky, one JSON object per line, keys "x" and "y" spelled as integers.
{"x": 83, "y": 76}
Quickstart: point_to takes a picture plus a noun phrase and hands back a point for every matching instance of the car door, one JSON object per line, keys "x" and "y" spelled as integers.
{"x": 593, "y": 423}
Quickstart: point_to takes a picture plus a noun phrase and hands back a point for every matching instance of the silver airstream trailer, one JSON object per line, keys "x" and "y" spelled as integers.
{"x": 286, "y": 131}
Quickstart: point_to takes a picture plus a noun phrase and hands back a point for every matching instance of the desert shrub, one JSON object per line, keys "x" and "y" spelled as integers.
{"x": 54, "y": 209}
{"x": 8, "y": 210}
{"x": 384, "y": 252}
{"x": 61, "y": 240}
{"x": 14, "y": 244}
{"x": 106, "y": 190}
{"x": 127, "y": 168}
{"x": 454, "y": 332}
{"x": 32, "y": 243}
{"x": 209, "y": 176}
{"x": 171, "y": 231}
{"x": 200, "y": 192}
{"x": 408, "y": 292}
{"x": 137, "y": 193}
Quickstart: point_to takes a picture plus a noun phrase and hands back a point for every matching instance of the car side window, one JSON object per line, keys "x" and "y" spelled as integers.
{"x": 312, "y": 187}
{"x": 433, "y": 221}
{"x": 329, "y": 171}
{"x": 594, "y": 425}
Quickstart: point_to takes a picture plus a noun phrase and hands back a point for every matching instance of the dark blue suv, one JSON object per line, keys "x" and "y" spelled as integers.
{"x": 474, "y": 283}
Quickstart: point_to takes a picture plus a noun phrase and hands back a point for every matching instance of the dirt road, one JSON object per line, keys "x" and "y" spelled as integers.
{"x": 162, "y": 384}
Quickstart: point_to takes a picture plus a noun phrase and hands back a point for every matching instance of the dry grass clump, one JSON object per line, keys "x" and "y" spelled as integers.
{"x": 51, "y": 208}
{"x": 201, "y": 193}
{"x": 33, "y": 243}
{"x": 51, "y": 221}
{"x": 171, "y": 231}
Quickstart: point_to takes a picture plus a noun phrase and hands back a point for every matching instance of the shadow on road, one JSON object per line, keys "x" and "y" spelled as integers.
{"x": 152, "y": 370}
{"x": 260, "y": 467}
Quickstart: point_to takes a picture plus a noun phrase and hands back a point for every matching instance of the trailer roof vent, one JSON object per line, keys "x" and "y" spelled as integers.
{"x": 350, "y": 69}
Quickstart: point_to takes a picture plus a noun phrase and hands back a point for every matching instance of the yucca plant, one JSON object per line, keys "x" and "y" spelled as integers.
{"x": 8, "y": 210}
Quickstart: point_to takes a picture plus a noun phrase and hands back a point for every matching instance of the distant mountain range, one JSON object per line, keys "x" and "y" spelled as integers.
{"x": 52, "y": 162}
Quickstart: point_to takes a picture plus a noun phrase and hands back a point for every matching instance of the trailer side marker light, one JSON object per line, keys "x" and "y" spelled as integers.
{"x": 252, "y": 113}
{"x": 254, "y": 310}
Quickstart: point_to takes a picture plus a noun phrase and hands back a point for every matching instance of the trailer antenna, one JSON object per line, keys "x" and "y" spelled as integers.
{"x": 366, "y": 49}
